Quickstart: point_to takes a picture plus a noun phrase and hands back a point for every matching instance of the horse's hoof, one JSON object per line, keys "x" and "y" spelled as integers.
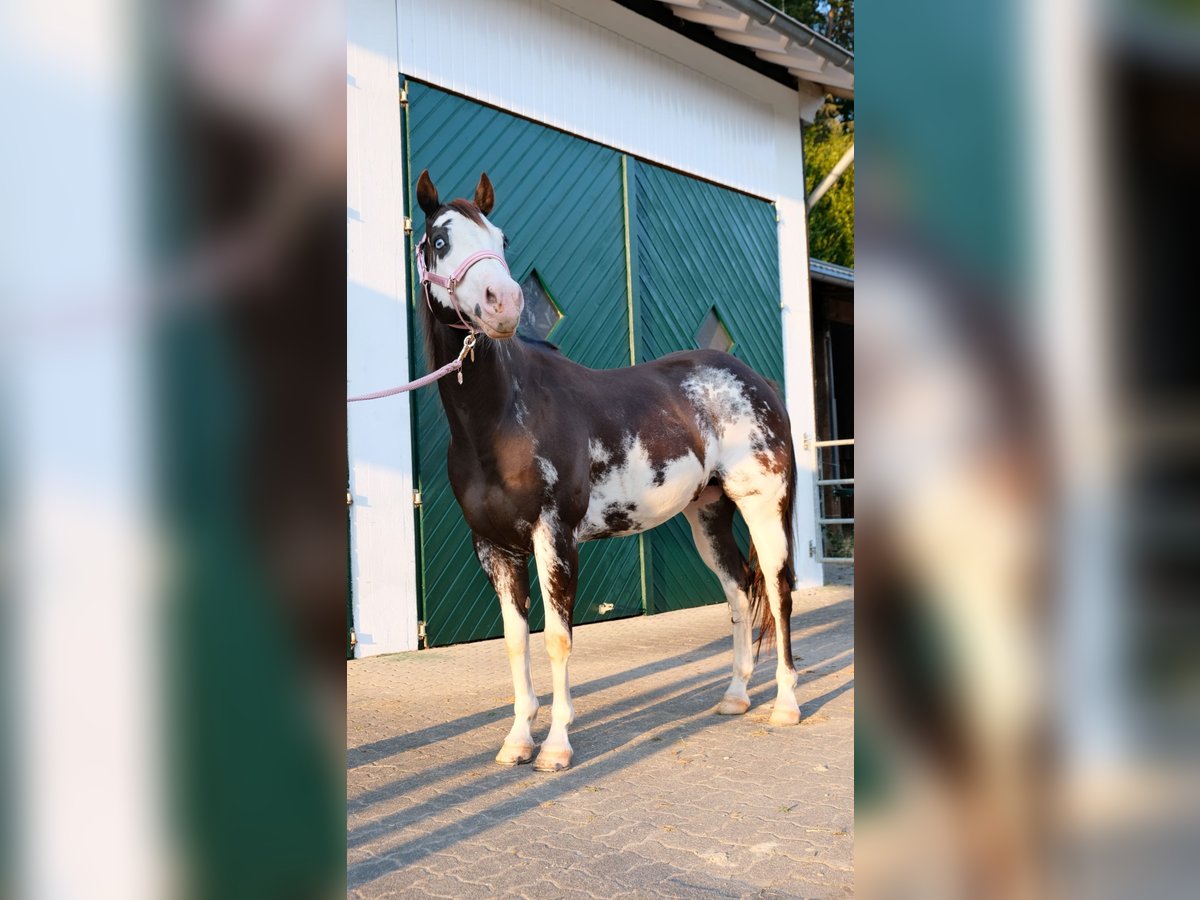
{"x": 732, "y": 706}
{"x": 514, "y": 754}
{"x": 785, "y": 716}
{"x": 552, "y": 760}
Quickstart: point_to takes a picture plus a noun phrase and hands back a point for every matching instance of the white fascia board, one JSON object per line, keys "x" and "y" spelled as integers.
{"x": 604, "y": 73}
{"x": 795, "y": 300}
{"x": 379, "y": 439}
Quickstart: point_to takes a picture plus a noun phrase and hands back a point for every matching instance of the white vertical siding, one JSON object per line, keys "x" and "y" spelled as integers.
{"x": 797, "y": 346}
{"x": 383, "y": 545}
{"x": 548, "y": 63}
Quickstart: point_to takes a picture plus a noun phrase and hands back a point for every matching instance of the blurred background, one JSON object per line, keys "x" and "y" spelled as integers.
{"x": 172, "y": 410}
{"x": 174, "y": 482}
{"x": 1029, "y": 418}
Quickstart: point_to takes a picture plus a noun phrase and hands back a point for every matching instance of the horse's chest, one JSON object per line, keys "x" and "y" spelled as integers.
{"x": 632, "y": 489}
{"x": 500, "y": 497}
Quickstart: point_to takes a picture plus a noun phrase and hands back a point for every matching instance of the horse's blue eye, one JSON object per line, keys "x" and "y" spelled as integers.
{"x": 439, "y": 243}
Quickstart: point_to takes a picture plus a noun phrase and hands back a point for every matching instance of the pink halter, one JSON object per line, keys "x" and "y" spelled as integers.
{"x": 451, "y": 283}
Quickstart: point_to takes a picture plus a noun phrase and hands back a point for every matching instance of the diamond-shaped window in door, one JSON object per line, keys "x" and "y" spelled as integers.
{"x": 712, "y": 334}
{"x": 541, "y": 314}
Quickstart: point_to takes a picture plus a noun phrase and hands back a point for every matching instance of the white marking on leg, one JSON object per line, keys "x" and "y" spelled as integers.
{"x": 556, "y": 749}
{"x": 737, "y": 698}
{"x": 767, "y": 532}
{"x": 518, "y": 745}
{"x": 743, "y": 651}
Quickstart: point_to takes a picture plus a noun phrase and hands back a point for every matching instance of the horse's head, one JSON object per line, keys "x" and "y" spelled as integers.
{"x": 456, "y": 233}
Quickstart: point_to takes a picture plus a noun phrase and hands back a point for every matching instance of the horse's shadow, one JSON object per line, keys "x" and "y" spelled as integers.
{"x": 377, "y": 750}
{"x": 597, "y": 735}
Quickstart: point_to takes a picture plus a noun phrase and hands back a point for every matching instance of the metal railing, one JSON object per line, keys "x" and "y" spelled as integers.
{"x": 822, "y": 519}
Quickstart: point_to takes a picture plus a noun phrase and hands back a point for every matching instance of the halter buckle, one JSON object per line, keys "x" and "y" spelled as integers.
{"x": 467, "y": 347}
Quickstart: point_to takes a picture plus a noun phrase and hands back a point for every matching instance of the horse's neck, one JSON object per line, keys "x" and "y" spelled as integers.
{"x": 477, "y": 406}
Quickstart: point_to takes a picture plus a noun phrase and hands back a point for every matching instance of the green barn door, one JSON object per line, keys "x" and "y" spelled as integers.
{"x": 706, "y": 273}
{"x": 559, "y": 200}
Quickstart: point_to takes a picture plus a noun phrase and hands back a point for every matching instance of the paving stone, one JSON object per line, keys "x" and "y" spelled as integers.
{"x": 664, "y": 799}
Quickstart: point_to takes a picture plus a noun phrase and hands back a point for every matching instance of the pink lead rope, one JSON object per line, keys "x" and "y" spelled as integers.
{"x": 453, "y": 366}
{"x": 450, "y": 284}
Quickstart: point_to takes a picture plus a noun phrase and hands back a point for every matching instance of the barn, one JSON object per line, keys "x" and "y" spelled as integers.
{"x": 647, "y": 160}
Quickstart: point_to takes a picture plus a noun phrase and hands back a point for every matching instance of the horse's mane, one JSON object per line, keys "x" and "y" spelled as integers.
{"x": 538, "y": 342}
{"x": 429, "y": 322}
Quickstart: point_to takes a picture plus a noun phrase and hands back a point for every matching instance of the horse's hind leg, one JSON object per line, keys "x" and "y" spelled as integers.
{"x": 509, "y": 575}
{"x": 711, "y": 518}
{"x": 766, "y": 518}
{"x": 558, "y": 572}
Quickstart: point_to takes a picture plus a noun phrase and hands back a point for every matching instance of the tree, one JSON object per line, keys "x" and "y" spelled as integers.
{"x": 832, "y": 18}
{"x": 831, "y": 223}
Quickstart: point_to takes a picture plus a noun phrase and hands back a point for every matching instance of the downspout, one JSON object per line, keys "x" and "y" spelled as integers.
{"x": 831, "y": 179}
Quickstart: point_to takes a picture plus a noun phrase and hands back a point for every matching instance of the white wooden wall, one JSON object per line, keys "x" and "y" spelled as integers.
{"x": 594, "y": 69}
{"x": 382, "y": 536}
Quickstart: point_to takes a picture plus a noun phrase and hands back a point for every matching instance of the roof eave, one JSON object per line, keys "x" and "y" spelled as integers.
{"x": 775, "y": 38}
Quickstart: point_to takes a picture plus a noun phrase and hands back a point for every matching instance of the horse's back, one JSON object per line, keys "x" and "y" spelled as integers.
{"x": 691, "y": 360}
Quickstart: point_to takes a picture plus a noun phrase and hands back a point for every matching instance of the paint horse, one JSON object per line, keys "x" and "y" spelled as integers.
{"x": 545, "y": 454}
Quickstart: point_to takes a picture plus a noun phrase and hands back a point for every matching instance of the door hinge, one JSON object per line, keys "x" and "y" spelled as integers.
{"x": 806, "y": 443}
{"x": 408, "y": 224}
{"x": 416, "y": 498}
{"x": 349, "y": 499}
{"x": 422, "y": 636}
{"x": 353, "y": 639}
{"x": 404, "y": 97}
{"x": 812, "y": 549}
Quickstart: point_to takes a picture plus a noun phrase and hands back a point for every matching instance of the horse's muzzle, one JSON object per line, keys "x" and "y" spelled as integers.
{"x": 501, "y": 309}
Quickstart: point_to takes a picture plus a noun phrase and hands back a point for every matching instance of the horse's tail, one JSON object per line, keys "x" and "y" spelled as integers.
{"x": 760, "y": 606}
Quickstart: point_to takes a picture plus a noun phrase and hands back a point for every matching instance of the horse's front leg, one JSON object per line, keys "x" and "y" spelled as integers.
{"x": 557, "y": 558}
{"x": 509, "y": 575}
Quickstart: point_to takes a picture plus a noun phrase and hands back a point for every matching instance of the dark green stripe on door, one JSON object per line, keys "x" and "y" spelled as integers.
{"x": 699, "y": 247}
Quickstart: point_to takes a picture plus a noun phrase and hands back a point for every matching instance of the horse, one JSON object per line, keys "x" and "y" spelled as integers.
{"x": 545, "y": 454}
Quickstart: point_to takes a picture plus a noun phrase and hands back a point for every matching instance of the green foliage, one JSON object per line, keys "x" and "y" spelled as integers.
{"x": 831, "y": 223}
{"x": 832, "y": 18}
{"x": 839, "y": 541}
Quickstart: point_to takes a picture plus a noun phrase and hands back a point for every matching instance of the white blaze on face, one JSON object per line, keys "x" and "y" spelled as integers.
{"x": 485, "y": 282}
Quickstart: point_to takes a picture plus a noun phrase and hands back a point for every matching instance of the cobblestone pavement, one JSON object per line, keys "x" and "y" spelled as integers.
{"x": 664, "y": 798}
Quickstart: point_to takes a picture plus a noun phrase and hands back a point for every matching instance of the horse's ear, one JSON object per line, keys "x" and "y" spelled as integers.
{"x": 427, "y": 195}
{"x": 485, "y": 197}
